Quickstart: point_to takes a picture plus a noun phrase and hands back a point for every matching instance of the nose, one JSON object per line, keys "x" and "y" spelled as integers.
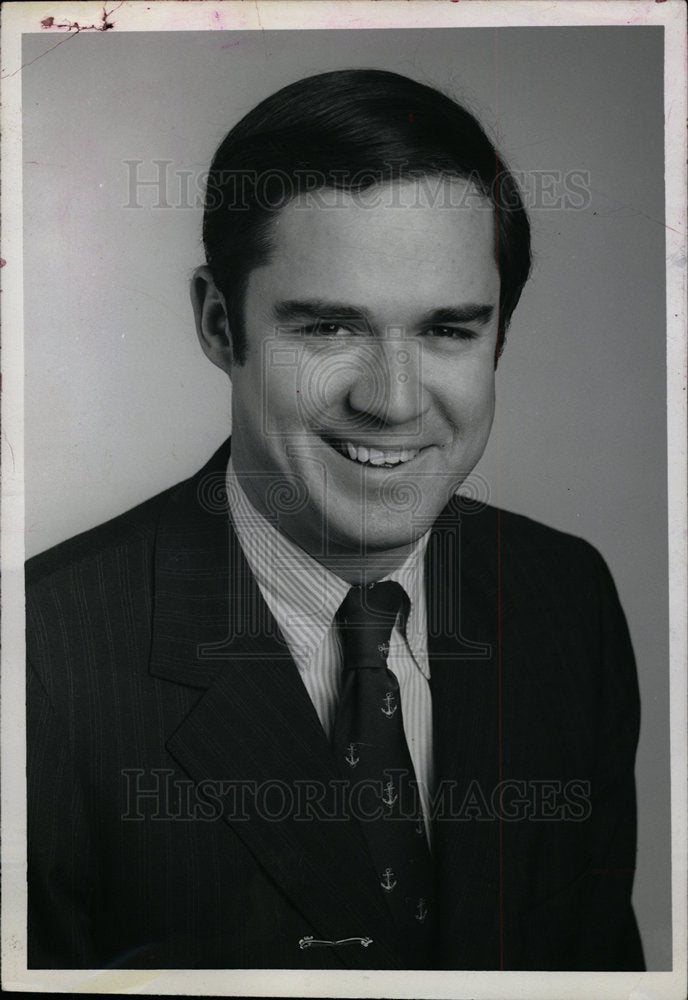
{"x": 388, "y": 389}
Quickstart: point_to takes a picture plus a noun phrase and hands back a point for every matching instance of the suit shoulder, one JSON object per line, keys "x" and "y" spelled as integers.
{"x": 520, "y": 528}
{"x": 518, "y": 537}
{"x": 135, "y": 527}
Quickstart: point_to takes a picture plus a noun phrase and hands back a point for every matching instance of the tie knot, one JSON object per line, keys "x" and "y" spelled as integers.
{"x": 366, "y": 619}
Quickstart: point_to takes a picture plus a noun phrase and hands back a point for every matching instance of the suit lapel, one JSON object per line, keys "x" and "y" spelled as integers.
{"x": 462, "y": 581}
{"x": 254, "y": 731}
{"x": 465, "y": 614}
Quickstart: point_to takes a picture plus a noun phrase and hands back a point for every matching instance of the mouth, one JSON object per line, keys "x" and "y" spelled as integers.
{"x": 381, "y": 458}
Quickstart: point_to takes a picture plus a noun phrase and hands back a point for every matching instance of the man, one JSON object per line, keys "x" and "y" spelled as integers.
{"x": 311, "y": 709}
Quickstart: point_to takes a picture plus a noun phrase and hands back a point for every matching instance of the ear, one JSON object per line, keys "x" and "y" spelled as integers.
{"x": 212, "y": 323}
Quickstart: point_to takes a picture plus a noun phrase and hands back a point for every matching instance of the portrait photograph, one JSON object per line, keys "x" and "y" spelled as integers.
{"x": 344, "y": 474}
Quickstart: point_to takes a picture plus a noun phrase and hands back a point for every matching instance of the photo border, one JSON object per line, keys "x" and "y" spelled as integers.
{"x": 177, "y": 15}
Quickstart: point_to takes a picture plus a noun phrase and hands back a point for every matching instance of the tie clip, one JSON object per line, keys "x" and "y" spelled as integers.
{"x": 311, "y": 942}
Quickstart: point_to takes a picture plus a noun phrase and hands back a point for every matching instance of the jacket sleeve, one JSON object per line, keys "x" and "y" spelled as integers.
{"x": 60, "y": 887}
{"x": 609, "y": 936}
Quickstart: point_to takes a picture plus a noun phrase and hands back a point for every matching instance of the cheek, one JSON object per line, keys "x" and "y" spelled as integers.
{"x": 259, "y": 393}
{"x": 483, "y": 408}
{"x": 470, "y": 399}
{"x": 485, "y": 402}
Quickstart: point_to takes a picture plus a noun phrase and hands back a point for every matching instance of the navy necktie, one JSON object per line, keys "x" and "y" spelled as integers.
{"x": 371, "y": 750}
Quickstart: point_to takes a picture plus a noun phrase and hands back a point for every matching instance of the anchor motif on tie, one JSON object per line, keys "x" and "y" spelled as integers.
{"x": 388, "y": 880}
{"x": 389, "y": 706}
{"x": 389, "y": 796}
{"x": 419, "y": 826}
{"x": 421, "y": 911}
{"x": 351, "y": 757}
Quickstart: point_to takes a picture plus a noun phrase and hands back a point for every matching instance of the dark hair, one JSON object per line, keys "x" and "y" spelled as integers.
{"x": 348, "y": 129}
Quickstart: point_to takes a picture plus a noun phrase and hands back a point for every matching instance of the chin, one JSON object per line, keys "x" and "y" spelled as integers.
{"x": 378, "y": 539}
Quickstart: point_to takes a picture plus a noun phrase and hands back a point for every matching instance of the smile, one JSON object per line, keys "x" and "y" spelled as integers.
{"x": 385, "y": 458}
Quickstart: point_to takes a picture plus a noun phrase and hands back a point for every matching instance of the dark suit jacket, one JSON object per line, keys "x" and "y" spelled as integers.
{"x": 179, "y": 780}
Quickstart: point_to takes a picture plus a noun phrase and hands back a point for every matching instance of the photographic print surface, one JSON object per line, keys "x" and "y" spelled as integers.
{"x": 184, "y": 686}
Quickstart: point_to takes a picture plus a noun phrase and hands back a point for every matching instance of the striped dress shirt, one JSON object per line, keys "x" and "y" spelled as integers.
{"x": 303, "y": 596}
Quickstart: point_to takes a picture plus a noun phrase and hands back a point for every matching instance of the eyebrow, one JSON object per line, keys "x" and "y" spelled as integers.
{"x": 469, "y": 313}
{"x": 290, "y": 310}
{"x": 293, "y": 309}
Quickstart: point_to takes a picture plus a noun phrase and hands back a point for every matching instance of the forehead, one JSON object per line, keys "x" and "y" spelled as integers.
{"x": 420, "y": 239}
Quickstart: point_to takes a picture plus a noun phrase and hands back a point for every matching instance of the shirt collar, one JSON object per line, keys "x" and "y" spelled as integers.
{"x": 302, "y": 594}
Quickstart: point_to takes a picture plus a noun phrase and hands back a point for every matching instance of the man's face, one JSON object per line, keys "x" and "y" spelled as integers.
{"x": 369, "y": 376}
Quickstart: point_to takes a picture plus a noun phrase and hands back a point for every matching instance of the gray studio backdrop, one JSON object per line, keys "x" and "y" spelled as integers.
{"x": 120, "y": 403}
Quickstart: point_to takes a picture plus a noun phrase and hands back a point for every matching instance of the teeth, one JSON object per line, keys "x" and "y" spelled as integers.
{"x": 376, "y": 456}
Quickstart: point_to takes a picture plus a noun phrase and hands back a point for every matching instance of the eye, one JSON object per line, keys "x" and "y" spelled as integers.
{"x": 331, "y": 328}
{"x": 450, "y": 332}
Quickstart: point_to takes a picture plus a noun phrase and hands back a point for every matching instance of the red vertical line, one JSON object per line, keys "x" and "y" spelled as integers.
{"x": 499, "y": 548}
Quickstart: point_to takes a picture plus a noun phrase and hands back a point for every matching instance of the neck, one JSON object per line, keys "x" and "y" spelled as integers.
{"x": 369, "y": 567}
{"x": 357, "y": 566}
